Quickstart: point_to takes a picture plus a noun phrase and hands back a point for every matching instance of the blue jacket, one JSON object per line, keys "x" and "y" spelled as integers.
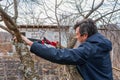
{"x": 92, "y": 57}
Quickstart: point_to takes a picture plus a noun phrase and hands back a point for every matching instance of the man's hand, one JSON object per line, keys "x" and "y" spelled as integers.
{"x": 25, "y": 39}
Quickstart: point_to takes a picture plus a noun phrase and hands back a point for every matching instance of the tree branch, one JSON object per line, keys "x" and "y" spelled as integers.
{"x": 15, "y": 10}
{"x": 79, "y": 9}
{"x": 6, "y": 29}
{"x": 106, "y": 15}
{"x": 10, "y": 24}
{"x": 6, "y": 16}
{"x": 56, "y": 6}
{"x": 92, "y": 10}
{"x": 113, "y": 10}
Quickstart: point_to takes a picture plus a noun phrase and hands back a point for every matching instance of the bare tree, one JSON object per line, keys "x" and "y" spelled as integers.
{"x": 24, "y": 54}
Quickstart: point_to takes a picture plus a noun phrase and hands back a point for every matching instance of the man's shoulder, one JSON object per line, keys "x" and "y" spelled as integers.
{"x": 86, "y": 45}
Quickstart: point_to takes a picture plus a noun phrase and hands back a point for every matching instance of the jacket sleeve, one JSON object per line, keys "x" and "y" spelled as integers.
{"x": 61, "y": 56}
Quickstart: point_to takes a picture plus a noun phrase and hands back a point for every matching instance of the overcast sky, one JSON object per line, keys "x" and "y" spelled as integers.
{"x": 29, "y": 10}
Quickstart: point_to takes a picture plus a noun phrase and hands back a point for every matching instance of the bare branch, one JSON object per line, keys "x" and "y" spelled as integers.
{"x": 6, "y": 16}
{"x": 60, "y": 3}
{"x": 6, "y": 7}
{"x": 10, "y": 24}
{"x": 106, "y": 15}
{"x": 92, "y": 10}
{"x": 6, "y": 29}
{"x": 50, "y": 18}
{"x": 15, "y": 10}
{"x": 78, "y": 8}
{"x": 56, "y": 6}
{"x": 93, "y": 4}
{"x": 113, "y": 11}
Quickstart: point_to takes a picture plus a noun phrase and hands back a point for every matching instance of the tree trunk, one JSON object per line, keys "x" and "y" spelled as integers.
{"x": 70, "y": 71}
{"x": 27, "y": 64}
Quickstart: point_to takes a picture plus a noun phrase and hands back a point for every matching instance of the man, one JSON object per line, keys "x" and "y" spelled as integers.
{"x": 92, "y": 57}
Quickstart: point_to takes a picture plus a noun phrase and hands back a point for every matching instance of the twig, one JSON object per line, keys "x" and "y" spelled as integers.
{"x": 116, "y": 68}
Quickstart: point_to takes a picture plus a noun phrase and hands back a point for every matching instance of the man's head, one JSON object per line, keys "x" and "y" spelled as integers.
{"x": 85, "y": 29}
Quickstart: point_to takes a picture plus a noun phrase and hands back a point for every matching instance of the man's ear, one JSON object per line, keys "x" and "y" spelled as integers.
{"x": 86, "y": 36}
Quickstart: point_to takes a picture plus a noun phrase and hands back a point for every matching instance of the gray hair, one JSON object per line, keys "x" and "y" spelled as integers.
{"x": 87, "y": 26}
